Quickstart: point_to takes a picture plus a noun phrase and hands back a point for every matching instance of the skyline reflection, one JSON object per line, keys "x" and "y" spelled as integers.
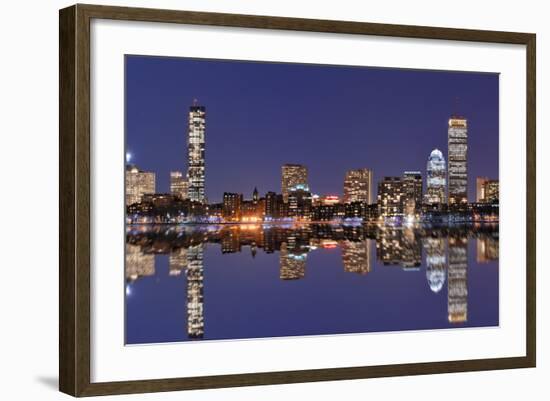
{"x": 364, "y": 250}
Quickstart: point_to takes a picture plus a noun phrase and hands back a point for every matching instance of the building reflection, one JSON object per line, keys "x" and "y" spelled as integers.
{"x": 436, "y": 262}
{"x": 446, "y": 254}
{"x": 195, "y": 291}
{"x": 138, "y": 263}
{"x": 399, "y": 247}
{"x": 177, "y": 261}
{"x": 356, "y": 256}
{"x": 457, "y": 279}
{"x": 487, "y": 249}
{"x": 292, "y": 262}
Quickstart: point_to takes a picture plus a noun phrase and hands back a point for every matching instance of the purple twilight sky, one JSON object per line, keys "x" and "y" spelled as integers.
{"x": 329, "y": 118}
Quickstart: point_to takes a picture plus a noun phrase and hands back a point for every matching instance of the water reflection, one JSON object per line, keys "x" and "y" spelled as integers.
{"x": 445, "y": 255}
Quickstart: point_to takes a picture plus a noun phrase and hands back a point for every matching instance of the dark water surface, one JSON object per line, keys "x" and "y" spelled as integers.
{"x": 248, "y": 281}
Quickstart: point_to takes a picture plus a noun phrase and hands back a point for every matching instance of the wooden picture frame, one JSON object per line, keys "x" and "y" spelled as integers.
{"x": 74, "y": 204}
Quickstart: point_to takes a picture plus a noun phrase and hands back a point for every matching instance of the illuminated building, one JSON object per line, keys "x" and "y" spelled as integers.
{"x": 159, "y": 200}
{"x": 436, "y": 262}
{"x": 195, "y": 284}
{"x": 253, "y": 209}
{"x": 231, "y": 209}
{"x": 356, "y": 256}
{"x": 299, "y": 203}
{"x": 355, "y": 210}
{"x": 178, "y": 184}
{"x": 412, "y": 192}
{"x": 492, "y": 189}
{"x": 361, "y": 210}
{"x": 215, "y": 210}
{"x": 371, "y": 212}
{"x": 292, "y": 264}
{"x": 436, "y": 178}
{"x": 294, "y": 176}
{"x": 272, "y": 201}
{"x": 195, "y": 148}
{"x": 328, "y": 212}
{"x": 480, "y": 188}
{"x": 487, "y": 191}
{"x": 457, "y": 280}
{"x": 315, "y": 200}
{"x": 358, "y": 186}
{"x": 329, "y": 200}
{"x": 138, "y": 183}
{"x": 138, "y": 264}
{"x": 177, "y": 261}
{"x": 390, "y": 197}
{"x": 458, "y": 165}
{"x": 487, "y": 249}
{"x": 248, "y": 210}
{"x": 274, "y": 206}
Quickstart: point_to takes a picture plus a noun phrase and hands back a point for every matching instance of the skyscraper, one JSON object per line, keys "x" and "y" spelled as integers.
{"x": 294, "y": 177}
{"x": 358, "y": 186}
{"x": 195, "y": 148}
{"x": 412, "y": 192}
{"x": 178, "y": 185}
{"x": 436, "y": 178}
{"x": 138, "y": 183}
{"x": 390, "y": 197}
{"x": 458, "y": 165}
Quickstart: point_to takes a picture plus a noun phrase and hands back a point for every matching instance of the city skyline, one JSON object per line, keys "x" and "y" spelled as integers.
{"x": 324, "y": 178}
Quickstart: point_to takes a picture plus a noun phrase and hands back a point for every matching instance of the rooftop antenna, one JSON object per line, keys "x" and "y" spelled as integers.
{"x": 195, "y": 102}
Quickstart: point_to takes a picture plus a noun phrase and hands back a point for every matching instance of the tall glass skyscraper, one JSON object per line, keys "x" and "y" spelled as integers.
{"x": 195, "y": 148}
{"x": 358, "y": 186}
{"x": 458, "y": 165}
{"x": 294, "y": 177}
{"x": 436, "y": 178}
{"x": 412, "y": 190}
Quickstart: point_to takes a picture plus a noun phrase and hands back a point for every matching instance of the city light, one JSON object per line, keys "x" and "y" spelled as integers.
{"x": 400, "y": 200}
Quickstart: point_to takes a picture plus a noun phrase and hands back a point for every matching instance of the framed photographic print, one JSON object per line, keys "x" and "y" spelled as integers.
{"x": 251, "y": 200}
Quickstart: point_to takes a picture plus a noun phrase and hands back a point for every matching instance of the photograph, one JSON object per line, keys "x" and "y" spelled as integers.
{"x": 273, "y": 199}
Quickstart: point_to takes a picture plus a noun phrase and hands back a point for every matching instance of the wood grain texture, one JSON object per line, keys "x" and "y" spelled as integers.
{"x": 531, "y": 228}
{"x": 67, "y": 131}
{"x": 74, "y": 199}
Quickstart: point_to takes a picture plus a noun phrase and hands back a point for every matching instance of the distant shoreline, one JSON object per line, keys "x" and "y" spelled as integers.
{"x": 331, "y": 223}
